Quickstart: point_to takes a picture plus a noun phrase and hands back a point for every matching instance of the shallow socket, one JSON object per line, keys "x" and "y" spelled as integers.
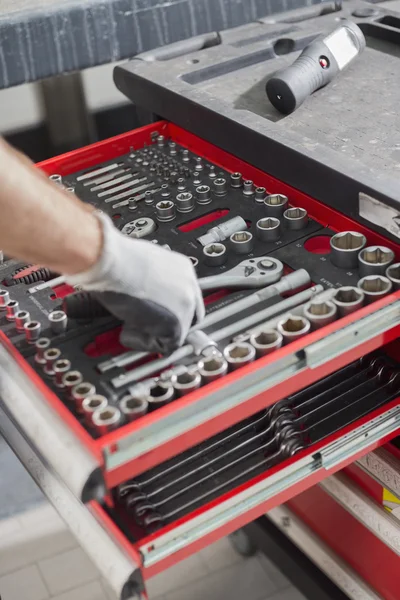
{"x": 375, "y": 286}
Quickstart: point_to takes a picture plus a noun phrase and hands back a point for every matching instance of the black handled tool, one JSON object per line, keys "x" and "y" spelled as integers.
{"x": 316, "y": 66}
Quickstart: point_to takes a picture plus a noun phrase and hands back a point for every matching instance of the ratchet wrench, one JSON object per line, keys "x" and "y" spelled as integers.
{"x": 250, "y": 273}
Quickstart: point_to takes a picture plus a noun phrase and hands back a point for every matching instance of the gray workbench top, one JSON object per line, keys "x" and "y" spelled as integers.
{"x": 42, "y": 38}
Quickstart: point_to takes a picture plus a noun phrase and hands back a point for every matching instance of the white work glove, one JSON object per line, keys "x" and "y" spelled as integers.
{"x": 153, "y": 291}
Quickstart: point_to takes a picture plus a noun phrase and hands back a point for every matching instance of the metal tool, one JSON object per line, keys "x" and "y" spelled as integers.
{"x": 50, "y": 356}
{"x": 60, "y": 367}
{"x": 220, "y": 186}
{"x": 248, "y": 188}
{"x": 120, "y": 188}
{"x": 293, "y": 328}
{"x": 393, "y": 273}
{"x": 83, "y": 390}
{"x": 70, "y": 380}
{"x": 106, "y": 419}
{"x": 32, "y": 331}
{"x": 211, "y": 172}
{"x": 113, "y": 182}
{"x": 133, "y": 407}
{"x": 241, "y": 242}
{"x": 197, "y": 179}
{"x": 184, "y": 202}
{"x": 250, "y": 273}
{"x": 259, "y": 195}
{"x": 41, "y": 345}
{"x": 345, "y": 247}
{"x": 348, "y": 299}
{"x": 57, "y": 179}
{"x": 268, "y": 229}
{"x": 4, "y": 299}
{"x": 223, "y": 231}
{"x": 203, "y": 194}
{"x": 160, "y": 393}
{"x": 58, "y": 321}
{"x": 165, "y": 211}
{"x": 239, "y": 354}
{"x": 139, "y": 228}
{"x": 21, "y": 318}
{"x": 90, "y": 405}
{"x": 375, "y": 287}
{"x": 130, "y": 192}
{"x": 320, "y": 313}
{"x": 186, "y": 382}
{"x": 105, "y": 178}
{"x": 212, "y": 367}
{"x": 198, "y": 163}
{"x": 374, "y": 260}
{"x": 236, "y": 180}
{"x": 215, "y": 254}
{"x": 266, "y": 341}
{"x": 132, "y": 204}
{"x": 98, "y": 172}
{"x": 11, "y": 310}
{"x": 137, "y": 198}
{"x": 181, "y": 184}
{"x": 317, "y": 65}
{"x": 275, "y": 205}
{"x": 295, "y": 218}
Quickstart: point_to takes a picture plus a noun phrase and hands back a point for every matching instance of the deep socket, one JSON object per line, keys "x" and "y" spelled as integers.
{"x": 295, "y": 218}
{"x": 345, "y": 247}
{"x": 70, "y": 380}
{"x": 132, "y": 204}
{"x": 275, "y": 205}
{"x": 106, "y": 419}
{"x": 133, "y": 407}
{"x": 374, "y": 260}
{"x": 203, "y": 194}
{"x": 375, "y": 287}
{"x": 184, "y": 202}
{"x": 32, "y": 331}
{"x": 51, "y": 355}
{"x": 223, "y": 231}
{"x": 61, "y": 367}
{"x": 220, "y": 186}
{"x": 41, "y": 346}
{"x": 393, "y": 274}
{"x": 236, "y": 180}
{"x": 242, "y": 242}
{"x": 58, "y": 321}
{"x": 268, "y": 229}
{"x": 248, "y": 188}
{"x": 293, "y": 328}
{"x": 266, "y": 341}
{"x": 215, "y": 254}
{"x": 320, "y": 313}
{"x": 186, "y": 382}
{"x": 259, "y": 196}
{"x": 12, "y": 308}
{"x": 239, "y": 354}
{"x": 149, "y": 198}
{"x": 4, "y": 299}
{"x": 165, "y": 211}
{"x": 165, "y": 191}
{"x": 90, "y": 405}
{"x": 22, "y": 317}
{"x": 160, "y": 393}
{"x": 80, "y": 392}
{"x": 212, "y": 367}
{"x": 348, "y": 299}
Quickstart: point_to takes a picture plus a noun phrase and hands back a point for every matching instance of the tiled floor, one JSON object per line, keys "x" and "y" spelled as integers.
{"x": 40, "y": 560}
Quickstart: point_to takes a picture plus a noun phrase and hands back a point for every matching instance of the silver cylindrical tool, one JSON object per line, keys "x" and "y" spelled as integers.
{"x": 211, "y": 172}
{"x": 248, "y": 188}
{"x": 106, "y": 419}
{"x": 220, "y": 186}
{"x": 266, "y": 341}
{"x": 132, "y": 204}
{"x": 173, "y": 149}
{"x": 242, "y": 242}
{"x": 239, "y": 354}
{"x": 348, "y": 299}
{"x": 71, "y": 190}
{"x": 51, "y": 355}
{"x": 133, "y": 407}
{"x": 21, "y": 318}
{"x": 196, "y": 178}
{"x": 295, "y": 218}
{"x": 393, "y": 273}
{"x": 212, "y": 367}
{"x": 184, "y": 202}
{"x": 12, "y": 308}
{"x": 186, "y": 382}
{"x": 221, "y": 232}
{"x": 32, "y": 331}
{"x": 268, "y": 229}
{"x": 4, "y": 299}
{"x": 80, "y": 392}
{"x": 60, "y": 367}
{"x": 293, "y": 328}
{"x": 181, "y": 184}
{"x": 161, "y": 141}
{"x": 70, "y": 380}
{"x": 165, "y": 211}
{"x": 160, "y": 393}
{"x": 374, "y": 260}
{"x": 215, "y": 254}
{"x": 375, "y": 287}
{"x": 57, "y": 179}
{"x": 236, "y": 180}
{"x": 149, "y": 197}
{"x": 58, "y": 321}
{"x": 185, "y": 156}
{"x": 41, "y": 346}
{"x": 275, "y": 205}
{"x": 259, "y": 196}
{"x": 320, "y": 313}
{"x": 90, "y": 405}
{"x": 203, "y": 194}
{"x": 198, "y": 163}
{"x": 345, "y": 247}
{"x": 165, "y": 191}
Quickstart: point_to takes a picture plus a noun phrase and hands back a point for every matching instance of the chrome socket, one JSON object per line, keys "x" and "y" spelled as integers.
{"x": 375, "y": 287}
{"x": 185, "y": 156}
{"x": 149, "y": 198}
{"x": 160, "y": 393}
{"x": 165, "y": 211}
{"x": 293, "y": 328}
{"x": 41, "y": 346}
{"x": 236, "y": 180}
{"x": 275, "y": 205}
{"x": 320, "y": 313}
{"x": 106, "y": 419}
{"x": 32, "y": 331}
{"x": 259, "y": 196}
{"x": 374, "y": 260}
{"x": 165, "y": 191}
{"x": 220, "y": 186}
{"x": 161, "y": 141}
{"x": 83, "y": 390}
{"x": 21, "y": 318}
{"x": 215, "y": 254}
{"x": 4, "y": 299}
{"x": 172, "y": 149}
{"x": 184, "y": 202}
{"x": 132, "y": 204}
{"x": 12, "y": 308}
{"x": 212, "y": 367}
{"x": 71, "y": 380}
{"x": 266, "y": 341}
{"x": 211, "y": 172}
{"x": 239, "y": 354}
{"x": 57, "y": 179}
{"x": 50, "y": 356}
{"x": 345, "y": 247}
{"x": 133, "y": 407}
{"x": 90, "y": 405}
{"x": 58, "y": 321}
{"x": 348, "y": 299}
{"x": 198, "y": 164}
{"x": 268, "y": 229}
{"x": 196, "y": 178}
{"x": 181, "y": 184}
{"x": 248, "y": 188}
{"x": 60, "y": 367}
{"x": 186, "y": 382}
{"x": 295, "y": 218}
{"x": 242, "y": 242}
{"x": 393, "y": 274}
{"x": 203, "y": 194}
